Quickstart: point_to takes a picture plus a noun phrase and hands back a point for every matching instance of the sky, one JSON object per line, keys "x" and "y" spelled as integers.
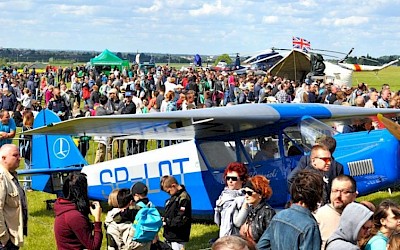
{"x": 209, "y": 27}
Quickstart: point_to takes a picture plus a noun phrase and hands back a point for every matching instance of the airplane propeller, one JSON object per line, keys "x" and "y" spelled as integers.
{"x": 393, "y": 127}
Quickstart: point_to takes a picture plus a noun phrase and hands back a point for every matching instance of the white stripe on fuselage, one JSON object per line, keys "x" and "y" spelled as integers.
{"x": 173, "y": 160}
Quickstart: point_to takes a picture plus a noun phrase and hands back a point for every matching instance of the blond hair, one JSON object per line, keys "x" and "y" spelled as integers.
{"x": 112, "y": 198}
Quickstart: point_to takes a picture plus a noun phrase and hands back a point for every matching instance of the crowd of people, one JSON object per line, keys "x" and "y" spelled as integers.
{"x": 73, "y": 228}
{"x": 342, "y": 223}
{"x": 81, "y": 92}
{"x": 164, "y": 89}
{"x": 321, "y": 214}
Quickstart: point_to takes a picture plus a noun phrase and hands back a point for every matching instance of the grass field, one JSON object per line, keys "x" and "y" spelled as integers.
{"x": 390, "y": 75}
{"x": 41, "y": 222}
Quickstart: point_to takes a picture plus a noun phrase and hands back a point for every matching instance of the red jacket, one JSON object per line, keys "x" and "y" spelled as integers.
{"x": 73, "y": 230}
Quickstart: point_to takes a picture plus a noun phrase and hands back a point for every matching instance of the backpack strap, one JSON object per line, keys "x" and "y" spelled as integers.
{"x": 141, "y": 204}
{"x": 329, "y": 242}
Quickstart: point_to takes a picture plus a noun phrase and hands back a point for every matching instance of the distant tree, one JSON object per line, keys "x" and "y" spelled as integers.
{"x": 223, "y": 57}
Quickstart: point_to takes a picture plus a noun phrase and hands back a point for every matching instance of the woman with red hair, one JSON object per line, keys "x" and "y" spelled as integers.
{"x": 231, "y": 198}
{"x": 255, "y": 214}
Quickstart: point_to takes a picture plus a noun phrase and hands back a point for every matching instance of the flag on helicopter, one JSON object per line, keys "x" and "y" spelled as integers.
{"x": 301, "y": 43}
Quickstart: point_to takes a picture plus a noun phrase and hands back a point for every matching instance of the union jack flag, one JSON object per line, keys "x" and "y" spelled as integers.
{"x": 302, "y": 44}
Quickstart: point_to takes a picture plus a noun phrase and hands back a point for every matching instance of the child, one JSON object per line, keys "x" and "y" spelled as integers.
{"x": 119, "y": 230}
{"x": 118, "y": 223}
{"x": 177, "y": 219}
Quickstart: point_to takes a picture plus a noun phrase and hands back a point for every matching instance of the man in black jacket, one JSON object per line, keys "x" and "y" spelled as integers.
{"x": 177, "y": 219}
{"x": 335, "y": 168}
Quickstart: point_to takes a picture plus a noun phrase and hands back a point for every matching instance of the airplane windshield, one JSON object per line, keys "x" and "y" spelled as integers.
{"x": 311, "y": 129}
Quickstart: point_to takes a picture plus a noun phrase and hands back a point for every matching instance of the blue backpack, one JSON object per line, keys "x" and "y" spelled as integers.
{"x": 147, "y": 223}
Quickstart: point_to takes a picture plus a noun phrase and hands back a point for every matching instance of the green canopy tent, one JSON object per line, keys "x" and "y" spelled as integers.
{"x": 107, "y": 60}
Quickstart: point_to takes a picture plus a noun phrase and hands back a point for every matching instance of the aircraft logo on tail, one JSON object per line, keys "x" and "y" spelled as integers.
{"x": 61, "y": 148}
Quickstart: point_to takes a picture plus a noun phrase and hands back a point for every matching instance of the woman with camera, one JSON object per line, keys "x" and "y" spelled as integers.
{"x": 72, "y": 227}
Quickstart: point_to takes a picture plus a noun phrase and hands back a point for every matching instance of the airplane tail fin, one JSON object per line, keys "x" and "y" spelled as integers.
{"x": 52, "y": 152}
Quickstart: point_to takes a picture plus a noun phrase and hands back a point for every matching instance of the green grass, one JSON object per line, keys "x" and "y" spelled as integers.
{"x": 41, "y": 222}
{"x": 389, "y": 75}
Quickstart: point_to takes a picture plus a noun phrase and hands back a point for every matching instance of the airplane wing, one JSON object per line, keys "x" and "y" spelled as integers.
{"x": 44, "y": 171}
{"x": 204, "y": 123}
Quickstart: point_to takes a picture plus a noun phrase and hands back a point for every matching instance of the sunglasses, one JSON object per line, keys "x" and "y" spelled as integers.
{"x": 249, "y": 193}
{"x": 233, "y": 178}
{"x": 325, "y": 159}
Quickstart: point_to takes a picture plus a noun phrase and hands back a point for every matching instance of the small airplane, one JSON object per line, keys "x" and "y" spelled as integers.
{"x": 297, "y": 64}
{"x": 212, "y": 138}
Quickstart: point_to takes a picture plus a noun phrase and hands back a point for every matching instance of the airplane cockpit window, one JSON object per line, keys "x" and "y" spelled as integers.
{"x": 293, "y": 141}
{"x": 251, "y": 146}
{"x": 311, "y": 129}
{"x": 218, "y": 153}
{"x": 263, "y": 148}
{"x": 355, "y": 124}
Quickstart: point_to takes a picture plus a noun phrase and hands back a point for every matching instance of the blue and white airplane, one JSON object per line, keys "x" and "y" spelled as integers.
{"x": 212, "y": 139}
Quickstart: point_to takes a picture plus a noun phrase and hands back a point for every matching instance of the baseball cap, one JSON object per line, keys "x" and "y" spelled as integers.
{"x": 139, "y": 188}
{"x": 128, "y": 94}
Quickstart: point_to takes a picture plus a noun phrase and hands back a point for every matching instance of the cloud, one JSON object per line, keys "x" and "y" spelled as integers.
{"x": 104, "y": 21}
{"x": 157, "y": 6}
{"x": 211, "y": 9}
{"x": 270, "y": 19}
{"x": 77, "y": 10}
{"x": 351, "y": 21}
{"x": 308, "y": 3}
{"x": 348, "y": 21}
